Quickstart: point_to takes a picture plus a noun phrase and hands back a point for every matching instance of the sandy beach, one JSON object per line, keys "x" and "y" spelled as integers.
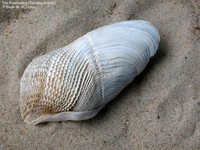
{"x": 160, "y": 109}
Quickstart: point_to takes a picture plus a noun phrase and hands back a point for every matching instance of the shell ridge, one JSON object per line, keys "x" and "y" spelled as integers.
{"x": 96, "y": 62}
{"x": 85, "y": 75}
{"x": 65, "y": 75}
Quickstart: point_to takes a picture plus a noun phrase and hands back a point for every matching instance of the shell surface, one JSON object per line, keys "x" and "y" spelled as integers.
{"x": 76, "y": 81}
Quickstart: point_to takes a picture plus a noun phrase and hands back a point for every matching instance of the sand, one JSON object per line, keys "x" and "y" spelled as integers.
{"x": 160, "y": 109}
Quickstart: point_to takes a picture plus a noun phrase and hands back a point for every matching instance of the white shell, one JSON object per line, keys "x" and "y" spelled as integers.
{"x": 78, "y": 80}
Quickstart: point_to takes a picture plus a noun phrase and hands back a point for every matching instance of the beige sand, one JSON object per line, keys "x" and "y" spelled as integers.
{"x": 160, "y": 109}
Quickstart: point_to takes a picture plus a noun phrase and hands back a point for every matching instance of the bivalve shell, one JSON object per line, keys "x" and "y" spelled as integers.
{"x": 76, "y": 81}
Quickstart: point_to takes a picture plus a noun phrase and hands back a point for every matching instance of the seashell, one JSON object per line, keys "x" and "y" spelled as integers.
{"x": 76, "y": 81}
